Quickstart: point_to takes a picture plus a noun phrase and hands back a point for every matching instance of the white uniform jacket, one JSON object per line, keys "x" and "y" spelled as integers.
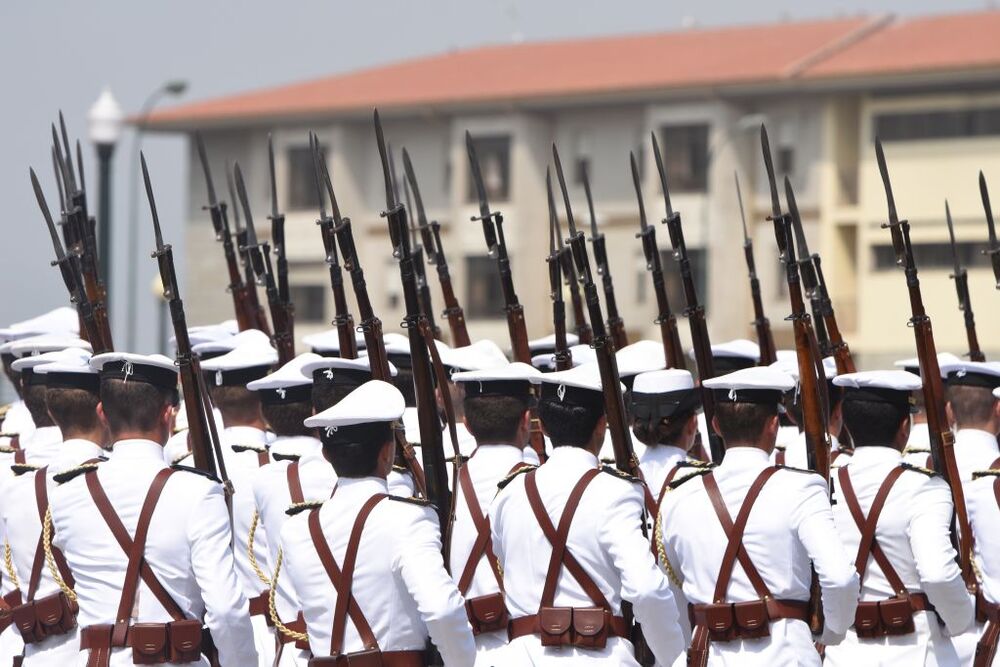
{"x": 975, "y": 450}
{"x": 42, "y": 446}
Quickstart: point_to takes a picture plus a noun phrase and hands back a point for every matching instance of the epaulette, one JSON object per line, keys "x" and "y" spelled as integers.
{"x": 286, "y": 457}
{"x": 72, "y": 473}
{"x": 4, "y": 410}
{"x": 607, "y": 462}
{"x": 916, "y": 450}
{"x": 695, "y": 463}
{"x": 178, "y": 459}
{"x": 697, "y": 472}
{"x": 7, "y": 450}
{"x": 925, "y": 471}
{"x": 507, "y": 480}
{"x": 804, "y": 471}
{"x": 780, "y": 448}
{"x": 21, "y": 468}
{"x": 298, "y": 508}
{"x": 400, "y": 469}
{"x": 620, "y": 474}
{"x": 249, "y": 448}
{"x": 176, "y": 430}
{"x": 196, "y": 471}
{"x": 422, "y": 502}
{"x": 992, "y": 472}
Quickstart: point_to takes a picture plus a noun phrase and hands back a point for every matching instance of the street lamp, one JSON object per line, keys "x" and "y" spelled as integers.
{"x": 171, "y": 88}
{"x": 105, "y": 119}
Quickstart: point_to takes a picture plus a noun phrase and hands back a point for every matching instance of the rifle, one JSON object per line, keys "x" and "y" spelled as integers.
{"x": 423, "y": 287}
{"x": 942, "y": 440}
{"x": 765, "y": 337}
{"x": 993, "y": 252}
{"x": 259, "y": 317}
{"x": 342, "y": 319}
{"x": 206, "y": 447}
{"x": 695, "y": 311}
{"x": 563, "y": 357}
{"x": 496, "y": 247}
{"x": 259, "y": 253}
{"x": 246, "y": 312}
{"x": 69, "y": 268}
{"x": 616, "y": 325}
{"x": 431, "y": 444}
{"x": 961, "y": 278}
{"x": 431, "y": 234}
{"x": 583, "y": 332}
{"x": 607, "y": 363}
{"x": 278, "y": 234}
{"x": 672, "y": 349}
{"x": 371, "y": 325}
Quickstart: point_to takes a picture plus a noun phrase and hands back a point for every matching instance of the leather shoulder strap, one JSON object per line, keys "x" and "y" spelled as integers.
{"x": 734, "y": 531}
{"x": 868, "y": 525}
{"x": 294, "y": 483}
{"x": 483, "y": 544}
{"x": 557, "y": 538}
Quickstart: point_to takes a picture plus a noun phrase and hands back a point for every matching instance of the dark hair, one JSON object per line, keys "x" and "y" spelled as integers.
{"x": 326, "y": 394}
{"x": 972, "y": 406}
{"x": 133, "y": 406}
{"x": 237, "y": 404}
{"x": 73, "y": 409}
{"x": 494, "y": 418}
{"x": 873, "y": 423}
{"x": 793, "y": 408}
{"x": 404, "y": 383}
{"x": 34, "y": 400}
{"x": 568, "y": 424}
{"x": 743, "y": 422}
{"x": 358, "y": 459}
{"x": 667, "y": 431}
{"x": 285, "y": 419}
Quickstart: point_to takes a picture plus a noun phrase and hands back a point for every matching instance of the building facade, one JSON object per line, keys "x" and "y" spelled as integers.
{"x": 833, "y": 87}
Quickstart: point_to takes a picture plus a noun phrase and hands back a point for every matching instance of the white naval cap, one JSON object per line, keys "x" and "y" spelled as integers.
{"x": 214, "y": 348}
{"x": 34, "y": 345}
{"x": 512, "y": 379}
{"x": 249, "y": 361}
{"x": 581, "y": 354}
{"x": 209, "y": 333}
{"x": 154, "y": 369}
{"x": 758, "y": 384}
{"x": 733, "y": 355}
{"x": 548, "y": 343}
{"x": 996, "y": 393}
{"x": 288, "y": 384}
{"x": 786, "y": 355}
{"x": 912, "y": 365}
{"x": 663, "y": 381}
{"x": 71, "y": 370}
{"x": 481, "y": 355}
{"x": 341, "y": 371}
{"x": 374, "y": 404}
{"x": 328, "y": 342}
{"x": 972, "y": 373}
{"x": 60, "y": 321}
{"x": 659, "y": 394}
{"x": 894, "y": 387}
{"x": 396, "y": 343}
{"x": 641, "y": 356}
{"x": 791, "y": 366}
{"x": 579, "y": 386}
{"x": 32, "y": 362}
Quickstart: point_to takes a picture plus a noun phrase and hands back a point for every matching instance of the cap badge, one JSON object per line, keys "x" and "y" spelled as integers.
{"x": 218, "y": 378}
{"x": 330, "y": 430}
{"x": 732, "y": 395}
{"x": 962, "y": 373}
{"x": 127, "y": 369}
{"x": 280, "y": 391}
{"x": 561, "y": 392}
{"x": 328, "y": 373}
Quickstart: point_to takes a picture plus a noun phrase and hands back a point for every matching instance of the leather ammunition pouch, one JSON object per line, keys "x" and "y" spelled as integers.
{"x": 151, "y": 643}
{"x": 729, "y": 621}
{"x": 7, "y": 605}
{"x": 46, "y": 617}
{"x": 487, "y": 613}
{"x": 580, "y": 627}
{"x": 889, "y": 618}
{"x": 372, "y": 658}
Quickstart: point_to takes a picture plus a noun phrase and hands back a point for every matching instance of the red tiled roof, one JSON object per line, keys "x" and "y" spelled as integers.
{"x": 619, "y": 65}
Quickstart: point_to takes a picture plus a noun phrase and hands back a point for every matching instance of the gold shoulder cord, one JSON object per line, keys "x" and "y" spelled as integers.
{"x": 661, "y": 551}
{"x": 272, "y": 610}
{"x": 8, "y": 561}
{"x": 264, "y": 579}
{"x": 49, "y": 560}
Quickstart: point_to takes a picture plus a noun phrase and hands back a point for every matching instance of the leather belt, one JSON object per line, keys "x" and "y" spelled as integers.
{"x": 260, "y": 606}
{"x": 745, "y": 620}
{"x": 372, "y": 659}
{"x": 529, "y": 625}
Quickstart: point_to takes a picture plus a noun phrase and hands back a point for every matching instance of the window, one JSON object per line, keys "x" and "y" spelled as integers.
{"x": 924, "y": 125}
{"x": 786, "y": 160}
{"x": 301, "y": 185}
{"x": 310, "y": 303}
{"x": 685, "y": 157}
{"x": 932, "y": 256}
{"x": 581, "y": 167}
{"x": 483, "y": 295}
{"x": 675, "y": 286}
{"x": 494, "y": 163}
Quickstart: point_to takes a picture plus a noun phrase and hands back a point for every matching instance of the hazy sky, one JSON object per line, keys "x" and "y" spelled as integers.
{"x": 58, "y": 55}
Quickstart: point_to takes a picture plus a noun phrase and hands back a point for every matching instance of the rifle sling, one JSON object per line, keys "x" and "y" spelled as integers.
{"x": 869, "y": 546}
{"x": 42, "y": 501}
{"x": 294, "y": 483}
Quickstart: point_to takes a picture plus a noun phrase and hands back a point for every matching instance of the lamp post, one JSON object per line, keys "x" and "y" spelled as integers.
{"x": 171, "y": 88}
{"x": 105, "y": 120}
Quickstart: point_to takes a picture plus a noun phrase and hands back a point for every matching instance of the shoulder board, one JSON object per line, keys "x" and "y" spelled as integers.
{"x": 21, "y": 468}
{"x": 620, "y": 474}
{"x": 697, "y": 472}
{"x": 804, "y": 471}
{"x": 178, "y": 459}
{"x": 780, "y": 448}
{"x": 249, "y": 448}
{"x": 925, "y": 471}
{"x": 607, "y": 462}
{"x": 422, "y": 502}
{"x": 507, "y": 480}
{"x": 5, "y": 409}
{"x": 72, "y": 473}
{"x": 298, "y": 508}
{"x": 402, "y": 470}
{"x": 992, "y": 472}
{"x": 287, "y": 457}
{"x": 7, "y": 450}
{"x": 695, "y": 463}
{"x": 196, "y": 471}
{"x": 916, "y": 450}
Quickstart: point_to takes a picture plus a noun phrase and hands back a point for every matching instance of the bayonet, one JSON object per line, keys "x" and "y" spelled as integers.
{"x": 954, "y": 249}
{"x": 254, "y": 249}
{"x": 894, "y": 222}
{"x": 425, "y": 229}
{"x": 213, "y": 207}
{"x": 59, "y": 183}
{"x": 79, "y": 166}
{"x": 157, "y": 232}
{"x": 994, "y": 250}
{"x": 561, "y": 354}
{"x": 383, "y": 153}
{"x": 71, "y": 181}
{"x": 616, "y": 326}
{"x": 777, "y": 217}
{"x": 270, "y": 171}
{"x": 662, "y": 171}
{"x": 278, "y": 237}
{"x": 40, "y": 197}
{"x": 762, "y": 326}
{"x": 643, "y": 225}
{"x": 484, "y": 205}
{"x": 961, "y": 278}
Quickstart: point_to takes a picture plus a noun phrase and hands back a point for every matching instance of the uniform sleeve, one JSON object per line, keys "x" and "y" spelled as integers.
{"x": 227, "y": 612}
{"x": 673, "y": 570}
{"x": 812, "y": 519}
{"x": 936, "y": 558}
{"x": 421, "y": 566}
{"x": 643, "y": 584}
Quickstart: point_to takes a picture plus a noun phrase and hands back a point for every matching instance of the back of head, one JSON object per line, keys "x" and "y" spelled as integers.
{"x": 286, "y": 419}
{"x": 494, "y": 419}
{"x": 743, "y": 423}
{"x": 568, "y": 424}
{"x": 239, "y": 406}
{"x": 972, "y": 406}
{"x": 33, "y": 393}
{"x": 357, "y": 455}
{"x": 133, "y": 407}
{"x": 873, "y": 424}
{"x": 74, "y": 411}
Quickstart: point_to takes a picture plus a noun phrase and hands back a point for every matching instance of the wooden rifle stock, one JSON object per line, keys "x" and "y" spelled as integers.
{"x": 452, "y": 309}
{"x": 562, "y": 356}
{"x": 616, "y": 325}
{"x": 246, "y": 313}
{"x": 762, "y": 325}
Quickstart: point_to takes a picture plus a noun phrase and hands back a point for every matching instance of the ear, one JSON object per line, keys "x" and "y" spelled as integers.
{"x": 715, "y": 426}
{"x": 102, "y": 416}
{"x": 951, "y": 413}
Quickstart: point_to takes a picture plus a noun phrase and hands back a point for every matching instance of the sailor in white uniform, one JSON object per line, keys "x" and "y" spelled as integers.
{"x": 918, "y": 447}
{"x": 895, "y": 519}
{"x": 727, "y": 357}
{"x": 740, "y": 538}
{"x": 383, "y": 551}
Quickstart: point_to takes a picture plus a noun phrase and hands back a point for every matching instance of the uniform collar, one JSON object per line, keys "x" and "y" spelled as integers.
{"x": 663, "y": 453}
{"x": 870, "y": 454}
{"x": 973, "y": 438}
{"x": 137, "y": 449}
{"x": 745, "y": 457}
{"x": 82, "y": 446}
{"x": 575, "y": 457}
{"x": 296, "y": 445}
{"x": 46, "y": 435}
{"x": 246, "y": 435}
{"x": 499, "y": 451}
{"x": 366, "y": 486}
